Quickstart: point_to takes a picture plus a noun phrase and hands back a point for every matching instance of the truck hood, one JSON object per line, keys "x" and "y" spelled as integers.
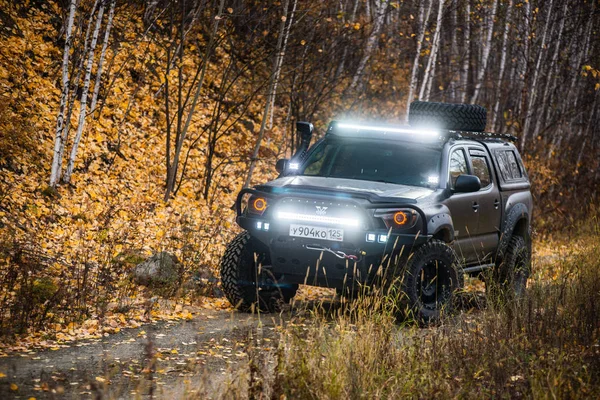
{"x": 380, "y": 189}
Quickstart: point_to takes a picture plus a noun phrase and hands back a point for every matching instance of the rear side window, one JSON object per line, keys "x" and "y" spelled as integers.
{"x": 481, "y": 169}
{"x": 509, "y": 166}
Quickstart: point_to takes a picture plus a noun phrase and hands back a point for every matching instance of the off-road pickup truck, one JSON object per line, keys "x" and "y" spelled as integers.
{"x": 425, "y": 203}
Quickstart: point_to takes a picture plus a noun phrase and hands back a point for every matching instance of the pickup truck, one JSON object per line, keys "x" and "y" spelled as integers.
{"x": 416, "y": 207}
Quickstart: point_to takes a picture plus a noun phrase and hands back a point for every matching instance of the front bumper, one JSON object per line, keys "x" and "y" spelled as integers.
{"x": 328, "y": 263}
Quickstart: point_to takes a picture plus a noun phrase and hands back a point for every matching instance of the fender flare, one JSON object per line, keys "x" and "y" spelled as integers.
{"x": 517, "y": 212}
{"x": 441, "y": 222}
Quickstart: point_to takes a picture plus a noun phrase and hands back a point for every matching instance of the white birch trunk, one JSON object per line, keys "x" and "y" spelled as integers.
{"x": 502, "y": 64}
{"x": 60, "y": 121}
{"x": 525, "y": 67}
{"x": 486, "y": 53}
{"x": 421, "y": 36}
{"x": 551, "y": 78}
{"x": 263, "y": 124}
{"x": 464, "y": 75}
{"x": 111, "y": 14}
{"x": 380, "y": 9}
{"x": 536, "y": 72}
{"x": 281, "y": 56}
{"x": 432, "y": 76}
{"x": 84, "y": 95}
{"x": 434, "y": 49}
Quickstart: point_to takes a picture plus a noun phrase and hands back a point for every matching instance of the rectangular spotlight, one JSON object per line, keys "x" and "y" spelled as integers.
{"x": 371, "y": 237}
{"x": 383, "y": 238}
{"x": 259, "y": 225}
{"x": 266, "y": 226}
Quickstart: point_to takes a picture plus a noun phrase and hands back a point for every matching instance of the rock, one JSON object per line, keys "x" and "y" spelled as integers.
{"x": 162, "y": 270}
{"x": 205, "y": 283}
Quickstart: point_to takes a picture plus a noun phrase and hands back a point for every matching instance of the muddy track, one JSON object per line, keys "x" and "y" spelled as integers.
{"x": 199, "y": 356}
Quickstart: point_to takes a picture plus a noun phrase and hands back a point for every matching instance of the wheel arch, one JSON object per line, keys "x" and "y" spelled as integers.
{"x": 516, "y": 222}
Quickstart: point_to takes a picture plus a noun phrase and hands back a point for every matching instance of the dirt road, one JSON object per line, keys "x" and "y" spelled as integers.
{"x": 199, "y": 357}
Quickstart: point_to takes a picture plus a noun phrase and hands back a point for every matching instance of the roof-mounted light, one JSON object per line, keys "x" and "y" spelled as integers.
{"x": 388, "y": 129}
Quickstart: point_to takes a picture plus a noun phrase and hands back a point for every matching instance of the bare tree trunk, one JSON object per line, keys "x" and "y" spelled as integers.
{"x": 278, "y": 69}
{"x": 432, "y": 76}
{"x": 421, "y": 36}
{"x": 182, "y": 133}
{"x": 551, "y": 78}
{"x": 263, "y": 125}
{"x": 464, "y": 75}
{"x": 60, "y": 121}
{"x": 525, "y": 68}
{"x": 380, "y": 9}
{"x": 111, "y": 14}
{"x": 434, "y": 49}
{"x": 453, "y": 52}
{"x": 536, "y": 72}
{"x": 84, "y": 94}
{"x": 502, "y": 64}
{"x": 354, "y": 10}
{"x": 486, "y": 53}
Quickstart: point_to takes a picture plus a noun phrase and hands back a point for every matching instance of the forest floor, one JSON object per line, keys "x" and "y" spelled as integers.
{"x": 215, "y": 354}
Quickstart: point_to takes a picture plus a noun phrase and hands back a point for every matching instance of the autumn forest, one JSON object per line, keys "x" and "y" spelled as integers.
{"x": 127, "y": 128}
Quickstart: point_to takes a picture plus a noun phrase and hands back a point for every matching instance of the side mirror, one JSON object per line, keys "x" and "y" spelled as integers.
{"x": 467, "y": 184}
{"x": 281, "y": 165}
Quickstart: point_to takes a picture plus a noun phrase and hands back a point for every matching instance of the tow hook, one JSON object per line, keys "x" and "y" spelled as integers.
{"x": 337, "y": 253}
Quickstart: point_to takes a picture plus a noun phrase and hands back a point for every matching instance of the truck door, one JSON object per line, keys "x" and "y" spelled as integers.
{"x": 490, "y": 207}
{"x": 463, "y": 206}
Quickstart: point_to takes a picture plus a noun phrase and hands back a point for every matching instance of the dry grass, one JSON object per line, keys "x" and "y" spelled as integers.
{"x": 547, "y": 345}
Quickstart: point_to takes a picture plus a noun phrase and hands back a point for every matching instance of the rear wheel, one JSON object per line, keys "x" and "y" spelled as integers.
{"x": 509, "y": 278}
{"x": 431, "y": 278}
{"x": 243, "y": 287}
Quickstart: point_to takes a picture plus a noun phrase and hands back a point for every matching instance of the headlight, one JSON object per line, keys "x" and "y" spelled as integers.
{"x": 398, "y": 219}
{"x": 257, "y": 205}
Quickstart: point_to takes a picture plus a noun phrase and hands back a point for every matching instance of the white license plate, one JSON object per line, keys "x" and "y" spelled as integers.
{"x": 317, "y": 232}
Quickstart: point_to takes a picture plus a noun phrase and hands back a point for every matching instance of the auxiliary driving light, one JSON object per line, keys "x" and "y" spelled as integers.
{"x": 259, "y": 225}
{"x": 266, "y": 226}
{"x": 371, "y": 237}
{"x": 383, "y": 238}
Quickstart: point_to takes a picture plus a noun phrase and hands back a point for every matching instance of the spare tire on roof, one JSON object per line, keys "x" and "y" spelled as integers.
{"x": 455, "y": 117}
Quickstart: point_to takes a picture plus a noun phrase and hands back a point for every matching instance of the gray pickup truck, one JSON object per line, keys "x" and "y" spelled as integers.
{"x": 416, "y": 206}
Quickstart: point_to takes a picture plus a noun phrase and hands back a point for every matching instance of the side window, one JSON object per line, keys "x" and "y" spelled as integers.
{"x": 481, "y": 169}
{"x": 514, "y": 165}
{"x": 458, "y": 166}
{"x": 509, "y": 166}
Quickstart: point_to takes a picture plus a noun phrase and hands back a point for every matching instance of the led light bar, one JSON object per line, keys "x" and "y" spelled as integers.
{"x": 388, "y": 129}
{"x": 318, "y": 218}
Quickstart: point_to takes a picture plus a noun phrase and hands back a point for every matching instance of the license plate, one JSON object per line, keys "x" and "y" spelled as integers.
{"x": 317, "y": 232}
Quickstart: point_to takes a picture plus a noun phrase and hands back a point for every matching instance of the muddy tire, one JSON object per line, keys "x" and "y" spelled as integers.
{"x": 430, "y": 280}
{"x": 239, "y": 278}
{"x": 509, "y": 278}
{"x": 456, "y": 117}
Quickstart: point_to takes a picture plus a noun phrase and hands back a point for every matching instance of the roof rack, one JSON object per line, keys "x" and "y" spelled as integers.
{"x": 387, "y": 131}
{"x": 481, "y": 135}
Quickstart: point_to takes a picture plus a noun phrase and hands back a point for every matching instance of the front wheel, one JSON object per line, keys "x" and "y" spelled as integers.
{"x": 241, "y": 283}
{"x": 430, "y": 280}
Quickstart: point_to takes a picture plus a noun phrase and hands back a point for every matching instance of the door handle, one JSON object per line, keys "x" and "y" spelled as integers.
{"x": 496, "y": 204}
{"x": 475, "y": 206}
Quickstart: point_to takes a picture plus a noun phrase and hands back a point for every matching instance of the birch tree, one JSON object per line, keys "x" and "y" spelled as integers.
{"x": 84, "y": 95}
{"x": 434, "y": 49}
{"x": 486, "y": 53}
{"x": 422, "y": 23}
{"x": 380, "y": 7}
{"x": 111, "y": 14}
{"x": 270, "y": 92}
{"x": 504, "y": 50}
{"x": 59, "y": 139}
{"x": 464, "y": 71}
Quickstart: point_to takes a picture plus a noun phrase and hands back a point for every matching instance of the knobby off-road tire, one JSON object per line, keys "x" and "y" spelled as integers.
{"x": 239, "y": 278}
{"x": 509, "y": 278}
{"x": 456, "y": 117}
{"x": 430, "y": 281}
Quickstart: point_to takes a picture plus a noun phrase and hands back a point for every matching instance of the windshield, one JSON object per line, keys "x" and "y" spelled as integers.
{"x": 399, "y": 163}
